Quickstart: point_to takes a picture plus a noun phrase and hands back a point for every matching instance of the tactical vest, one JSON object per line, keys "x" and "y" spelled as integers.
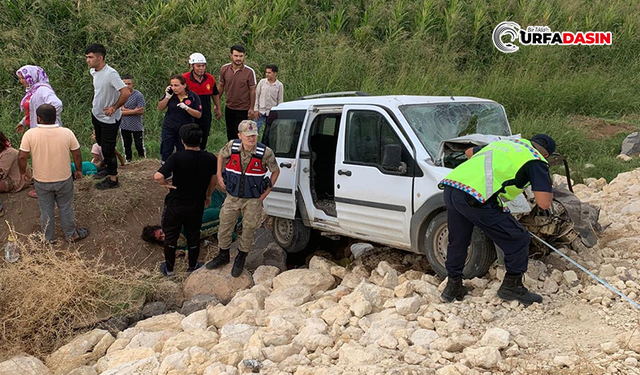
{"x": 251, "y": 182}
{"x": 500, "y": 161}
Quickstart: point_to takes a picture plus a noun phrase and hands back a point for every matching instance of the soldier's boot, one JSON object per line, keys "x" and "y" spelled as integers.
{"x": 219, "y": 260}
{"x": 238, "y": 264}
{"x": 513, "y": 289}
{"x": 454, "y": 290}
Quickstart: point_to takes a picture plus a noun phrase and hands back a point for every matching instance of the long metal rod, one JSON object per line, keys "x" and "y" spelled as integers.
{"x": 606, "y": 284}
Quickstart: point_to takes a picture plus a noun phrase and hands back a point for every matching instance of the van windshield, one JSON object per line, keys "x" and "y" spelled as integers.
{"x": 434, "y": 123}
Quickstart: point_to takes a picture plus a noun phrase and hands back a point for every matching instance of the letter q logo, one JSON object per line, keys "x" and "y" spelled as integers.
{"x": 510, "y": 29}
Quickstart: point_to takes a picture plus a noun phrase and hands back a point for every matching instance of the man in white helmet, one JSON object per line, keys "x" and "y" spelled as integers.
{"x": 203, "y": 84}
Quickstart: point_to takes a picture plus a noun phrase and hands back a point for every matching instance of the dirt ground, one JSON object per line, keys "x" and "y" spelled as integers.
{"x": 597, "y": 128}
{"x": 114, "y": 217}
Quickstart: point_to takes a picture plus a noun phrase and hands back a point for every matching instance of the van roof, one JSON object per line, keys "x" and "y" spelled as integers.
{"x": 389, "y": 100}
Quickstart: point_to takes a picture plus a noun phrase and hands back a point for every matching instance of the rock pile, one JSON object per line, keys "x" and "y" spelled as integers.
{"x": 331, "y": 320}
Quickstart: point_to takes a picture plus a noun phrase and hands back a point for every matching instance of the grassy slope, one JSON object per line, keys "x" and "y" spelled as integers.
{"x": 433, "y": 47}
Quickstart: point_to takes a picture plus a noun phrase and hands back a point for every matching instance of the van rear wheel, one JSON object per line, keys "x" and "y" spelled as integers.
{"x": 480, "y": 255}
{"x": 292, "y": 235}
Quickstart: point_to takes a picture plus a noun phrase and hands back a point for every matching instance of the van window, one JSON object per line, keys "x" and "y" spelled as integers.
{"x": 329, "y": 126}
{"x": 367, "y": 134}
{"x": 434, "y": 123}
{"x": 282, "y": 132}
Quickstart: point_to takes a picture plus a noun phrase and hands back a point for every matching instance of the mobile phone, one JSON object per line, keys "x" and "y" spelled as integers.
{"x": 170, "y": 91}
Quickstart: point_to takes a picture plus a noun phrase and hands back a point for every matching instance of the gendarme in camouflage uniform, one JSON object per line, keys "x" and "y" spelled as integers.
{"x": 244, "y": 163}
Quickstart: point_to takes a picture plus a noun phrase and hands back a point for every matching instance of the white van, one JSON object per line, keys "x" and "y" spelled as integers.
{"x": 367, "y": 167}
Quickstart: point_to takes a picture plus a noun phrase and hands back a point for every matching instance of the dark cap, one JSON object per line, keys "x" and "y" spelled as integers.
{"x": 545, "y": 141}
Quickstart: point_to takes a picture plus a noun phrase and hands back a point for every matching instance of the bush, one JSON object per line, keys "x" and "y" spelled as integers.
{"x": 51, "y": 294}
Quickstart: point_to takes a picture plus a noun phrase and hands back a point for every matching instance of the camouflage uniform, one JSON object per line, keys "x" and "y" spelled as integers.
{"x": 250, "y": 208}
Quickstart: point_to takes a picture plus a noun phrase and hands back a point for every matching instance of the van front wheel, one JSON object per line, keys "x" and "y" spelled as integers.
{"x": 292, "y": 235}
{"x": 480, "y": 255}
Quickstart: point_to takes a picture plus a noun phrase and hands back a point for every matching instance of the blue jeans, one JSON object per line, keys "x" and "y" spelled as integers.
{"x": 261, "y": 120}
{"x": 170, "y": 140}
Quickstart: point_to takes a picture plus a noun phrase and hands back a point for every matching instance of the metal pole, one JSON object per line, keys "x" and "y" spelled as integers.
{"x": 606, "y": 284}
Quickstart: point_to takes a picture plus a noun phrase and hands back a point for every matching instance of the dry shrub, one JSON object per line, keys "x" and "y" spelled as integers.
{"x": 53, "y": 293}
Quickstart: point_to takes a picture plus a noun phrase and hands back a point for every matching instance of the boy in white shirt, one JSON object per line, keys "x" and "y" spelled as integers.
{"x": 269, "y": 93}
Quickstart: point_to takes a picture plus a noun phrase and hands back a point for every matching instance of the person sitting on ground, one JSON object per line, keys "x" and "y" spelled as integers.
{"x": 10, "y": 181}
{"x": 98, "y": 158}
{"x": 194, "y": 177}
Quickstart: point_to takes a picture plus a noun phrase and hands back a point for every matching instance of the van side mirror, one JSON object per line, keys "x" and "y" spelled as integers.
{"x": 392, "y": 158}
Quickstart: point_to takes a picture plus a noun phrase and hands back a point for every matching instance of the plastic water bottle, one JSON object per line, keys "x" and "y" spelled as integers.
{"x": 11, "y": 250}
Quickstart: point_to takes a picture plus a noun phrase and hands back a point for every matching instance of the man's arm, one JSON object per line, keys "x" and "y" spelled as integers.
{"x": 216, "y": 102}
{"x": 538, "y": 174}
{"x": 212, "y": 185}
{"x": 219, "y": 175}
{"x": 252, "y": 102}
{"x": 281, "y": 94}
{"x": 159, "y": 177}
{"x": 543, "y": 199}
{"x": 472, "y": 150}
{"x": 274, "y": 178}
{"x": 469, "y": 152}
{"x": 119, "y": 156}
{"x": 125, "y": 93}
{"x": 22, "y": 162}
{"x": 77, "y": 160}
{"x": 256, "y": 106}
{"x": 133, "y": 112}
{"x": 271, "y": 163}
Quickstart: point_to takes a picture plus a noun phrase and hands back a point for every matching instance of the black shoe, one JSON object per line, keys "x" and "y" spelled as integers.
{"x": 107, "y": 183}
{"x": 220, "y": 260}
{"x": 164, "y": 270}
{"x": 454, "y": 290}
{"x": 101, "y": 174}
{"x": 238, "y": 264}
{"x": 198, "y": 265}
{"x": 513, "y": 289}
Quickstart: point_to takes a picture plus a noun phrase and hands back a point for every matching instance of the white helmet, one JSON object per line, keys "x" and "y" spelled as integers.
{"x": 197, "y": 58}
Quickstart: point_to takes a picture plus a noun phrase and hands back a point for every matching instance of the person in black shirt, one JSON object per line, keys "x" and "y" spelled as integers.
{"x": 194, "y": 178}
{"x": 183, "y": 107}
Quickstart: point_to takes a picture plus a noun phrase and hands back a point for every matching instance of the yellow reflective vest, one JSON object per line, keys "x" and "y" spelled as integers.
{"x": 492, "y": 167}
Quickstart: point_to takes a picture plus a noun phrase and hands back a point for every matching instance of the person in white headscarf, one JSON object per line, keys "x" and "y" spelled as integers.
{"x": 38, "y": 92}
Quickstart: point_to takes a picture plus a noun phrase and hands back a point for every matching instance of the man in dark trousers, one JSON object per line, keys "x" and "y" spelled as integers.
{"x": 203, "y": 84}
{"x": 474, "y": 193}
{"x": 238, "y": 82}
{"x": 109, "y": 95}
{"x": 194, "y": 177}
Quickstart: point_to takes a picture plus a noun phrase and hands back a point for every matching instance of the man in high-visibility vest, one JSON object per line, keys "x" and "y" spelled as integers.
{"x": 474, "y": 193}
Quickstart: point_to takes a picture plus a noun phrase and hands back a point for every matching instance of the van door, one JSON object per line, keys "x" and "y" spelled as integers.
{"x": 282, "y": 135}
{"x": 374, "y": 184}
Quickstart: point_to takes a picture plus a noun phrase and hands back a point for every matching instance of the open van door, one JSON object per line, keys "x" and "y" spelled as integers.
{"x": 282, "y": 135}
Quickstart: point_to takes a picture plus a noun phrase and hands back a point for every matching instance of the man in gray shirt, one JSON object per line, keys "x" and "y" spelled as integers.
{"x": 109, "y": 94}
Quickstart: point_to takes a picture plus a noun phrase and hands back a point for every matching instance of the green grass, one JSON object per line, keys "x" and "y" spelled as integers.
{"x": 423, "y": 47}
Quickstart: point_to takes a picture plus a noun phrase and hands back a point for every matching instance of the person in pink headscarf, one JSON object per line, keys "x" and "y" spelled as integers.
{"x": 38, "y": 92}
